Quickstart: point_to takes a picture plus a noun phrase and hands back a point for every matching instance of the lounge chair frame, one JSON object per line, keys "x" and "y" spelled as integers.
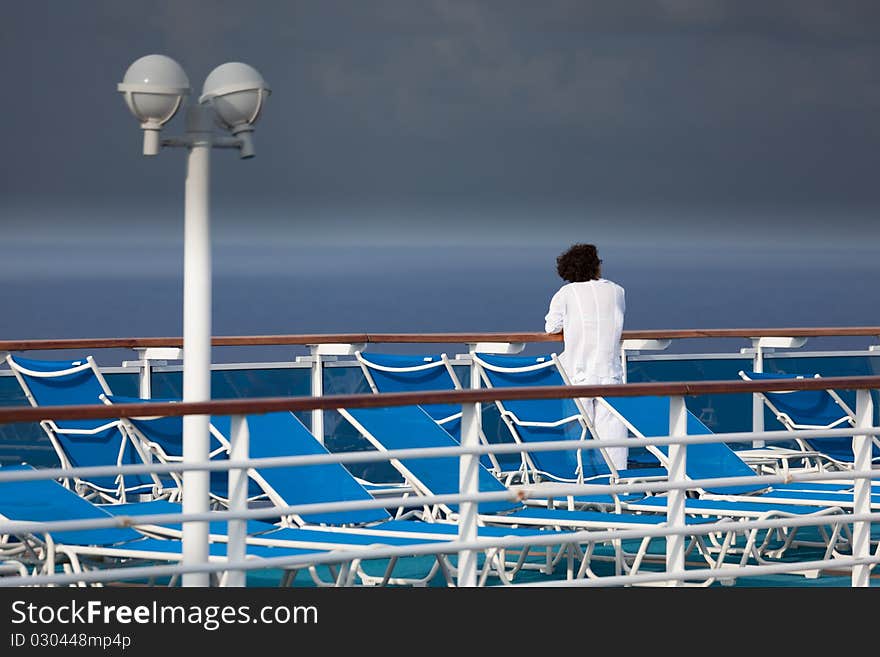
{"x": 55, "y": 434}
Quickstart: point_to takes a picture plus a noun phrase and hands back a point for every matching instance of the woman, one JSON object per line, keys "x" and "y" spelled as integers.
{"x": 589, "y": 311}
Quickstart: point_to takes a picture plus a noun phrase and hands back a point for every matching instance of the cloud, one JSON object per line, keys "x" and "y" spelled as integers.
{"x": 396, "y": 115}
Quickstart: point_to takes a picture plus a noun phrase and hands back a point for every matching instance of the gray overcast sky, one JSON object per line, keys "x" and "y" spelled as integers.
{"x": 397, "y": 121}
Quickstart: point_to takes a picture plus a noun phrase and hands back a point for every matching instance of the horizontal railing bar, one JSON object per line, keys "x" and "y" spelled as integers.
{"x": 371, "y": 456}
{"x": 246, "y": 406}
{"x": 774, "y": 355}
{"x": 465, "y": 361}
{"x": 427, "y": 338}
{"x": 378, "y": 552}
{"x": 726, "y": 572}
{"x": 512, "y": 494}
{"x": 339, "y": 556}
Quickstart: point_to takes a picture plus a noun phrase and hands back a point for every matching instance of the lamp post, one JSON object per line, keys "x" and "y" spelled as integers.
{"x": 154, "y": 88}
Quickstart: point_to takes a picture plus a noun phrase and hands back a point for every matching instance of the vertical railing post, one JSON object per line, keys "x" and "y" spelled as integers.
{"x": 761, "y": 346}
{"x": 319, "y": 354}
{"x": 487, "y": 348}
{"x": 148, "y": 358}
{"x": 635, "y": 347}
{"x": 468, "y": 485}
{"x": 757, "y": 402}
{"x": 145, "y": 375}
{"x": 317, "y": 391}
{"x": 239, "y": 450}
{"x": 675, "y": 515}
{"x": 862, "y": 450}
{"x": 475, "y": 385}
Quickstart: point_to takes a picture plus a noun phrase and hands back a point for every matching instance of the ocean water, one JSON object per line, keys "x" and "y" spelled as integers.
{"x": 121, "y": 291}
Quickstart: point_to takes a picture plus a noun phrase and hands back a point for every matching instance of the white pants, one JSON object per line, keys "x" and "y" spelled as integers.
{"x": 607, "y": 426}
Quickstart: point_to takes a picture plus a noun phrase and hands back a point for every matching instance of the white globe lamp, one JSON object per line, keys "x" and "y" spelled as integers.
{"x": 237, "y": 93}
{"x": 154, "y": 87}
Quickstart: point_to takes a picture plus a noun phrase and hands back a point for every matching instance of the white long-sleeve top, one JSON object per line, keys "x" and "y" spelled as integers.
{"x": 590, "y": 314}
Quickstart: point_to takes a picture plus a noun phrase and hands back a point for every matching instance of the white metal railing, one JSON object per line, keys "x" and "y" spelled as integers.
{"x": 676, "y": 485}
{"x": 324, "y": 356}
{"x": 581, "y": 537}
{"x": 467, "y": 543}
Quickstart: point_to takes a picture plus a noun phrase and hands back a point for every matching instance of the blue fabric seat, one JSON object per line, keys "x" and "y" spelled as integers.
{"x": 411, "y": 373}
{"x": 163, "y": 436}
{"x": 541, "y": 420}
{"x": 406, "y": 373}
{"x": 648, "y": 417}
{"x": 82, "y": 443}
{"x": 47, "y": 501}
{"x": 283, "y": 434}
{"x": 812, "y": 409}
{"x": 409, "y": 427}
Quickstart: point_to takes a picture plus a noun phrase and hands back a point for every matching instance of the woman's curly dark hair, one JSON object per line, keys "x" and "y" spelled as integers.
{"x": 579, "y": 263}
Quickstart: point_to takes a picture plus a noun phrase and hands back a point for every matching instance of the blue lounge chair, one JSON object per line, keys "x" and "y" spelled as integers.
{"x": 541, "y": 420}
{"x": 648, "y": 417}
{"x": 162, "y": 439}
{"x": 282, "y": 434}
{"x": 406, "y": 373}
{"x": 408, "y": 427}
{"x": 48, "y": 501}
{"x": 80, "y": 443}
{"x": 393, "y": 533}
{"x": 43, "y": 500}
{"x": 266, "y": 534}
{"x": 271, "y": 434}
{"x": 275, "y": 433}
{"x": 813, "y": 409}
{"x": 760, "y": 545}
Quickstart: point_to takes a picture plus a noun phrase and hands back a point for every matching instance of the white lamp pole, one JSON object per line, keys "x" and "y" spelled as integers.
{"x": 197, "y": 336}
{"x": 154, "y": 87}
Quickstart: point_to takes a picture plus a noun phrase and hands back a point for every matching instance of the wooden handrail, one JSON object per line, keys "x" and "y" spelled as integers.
{"x": 272, "y": 404}
{"x": 426, "y": 338}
